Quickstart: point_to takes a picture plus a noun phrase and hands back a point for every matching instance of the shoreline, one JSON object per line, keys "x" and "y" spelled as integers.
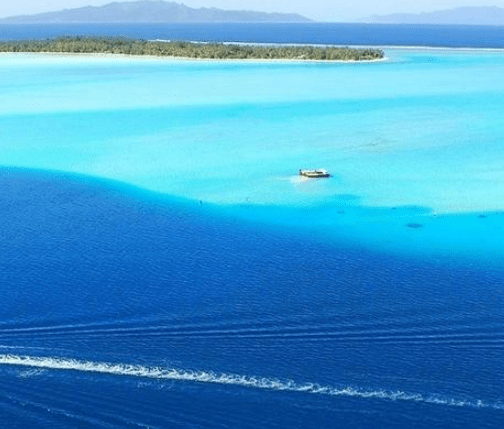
{"x": 110, "y": 55}
{"x": 189, "y": 59}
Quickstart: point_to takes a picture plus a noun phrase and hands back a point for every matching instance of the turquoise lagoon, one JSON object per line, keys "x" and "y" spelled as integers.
{"x": 414, "y": 143}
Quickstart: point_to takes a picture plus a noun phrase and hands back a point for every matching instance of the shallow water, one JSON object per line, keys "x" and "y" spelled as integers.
{"x": 409, "y": 141}
{"x": 162, "y": 264}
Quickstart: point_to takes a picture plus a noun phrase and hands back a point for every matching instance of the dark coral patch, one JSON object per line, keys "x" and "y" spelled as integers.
{"x": 414, "y": 225}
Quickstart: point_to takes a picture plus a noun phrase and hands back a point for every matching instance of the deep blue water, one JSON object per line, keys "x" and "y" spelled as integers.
{"x": 108, "y": 274}
{"x": 317, "y": 33}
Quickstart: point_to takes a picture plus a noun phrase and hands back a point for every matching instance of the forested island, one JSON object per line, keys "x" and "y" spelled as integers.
{"x": 102, "y": 45}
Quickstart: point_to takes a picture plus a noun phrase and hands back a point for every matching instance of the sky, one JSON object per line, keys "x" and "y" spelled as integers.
{"x": 320, "y": 10}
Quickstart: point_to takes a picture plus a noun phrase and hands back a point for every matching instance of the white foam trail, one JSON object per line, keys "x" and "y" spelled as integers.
{"x": 234, "y": 379}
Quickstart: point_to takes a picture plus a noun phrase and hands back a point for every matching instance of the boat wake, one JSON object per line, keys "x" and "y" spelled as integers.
{"x": 160, "y": 373}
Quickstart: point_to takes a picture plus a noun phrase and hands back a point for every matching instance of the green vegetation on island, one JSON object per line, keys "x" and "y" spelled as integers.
{"x": 220, "y": 51}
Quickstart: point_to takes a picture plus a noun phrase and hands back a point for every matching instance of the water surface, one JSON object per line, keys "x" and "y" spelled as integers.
{"x": 409, "y": 141}
{"x": 163, "y": 265}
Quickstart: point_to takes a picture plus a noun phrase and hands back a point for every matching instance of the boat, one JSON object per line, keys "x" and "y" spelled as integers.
{"x": 313, "y": 174}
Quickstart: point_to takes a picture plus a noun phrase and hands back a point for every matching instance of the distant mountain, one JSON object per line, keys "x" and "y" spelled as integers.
{"x": 485, "y": 15}
{"x": 153, "y": 11}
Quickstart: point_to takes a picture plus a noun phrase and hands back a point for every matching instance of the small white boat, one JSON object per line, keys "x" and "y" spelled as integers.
{"x": 313, "y": 174}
